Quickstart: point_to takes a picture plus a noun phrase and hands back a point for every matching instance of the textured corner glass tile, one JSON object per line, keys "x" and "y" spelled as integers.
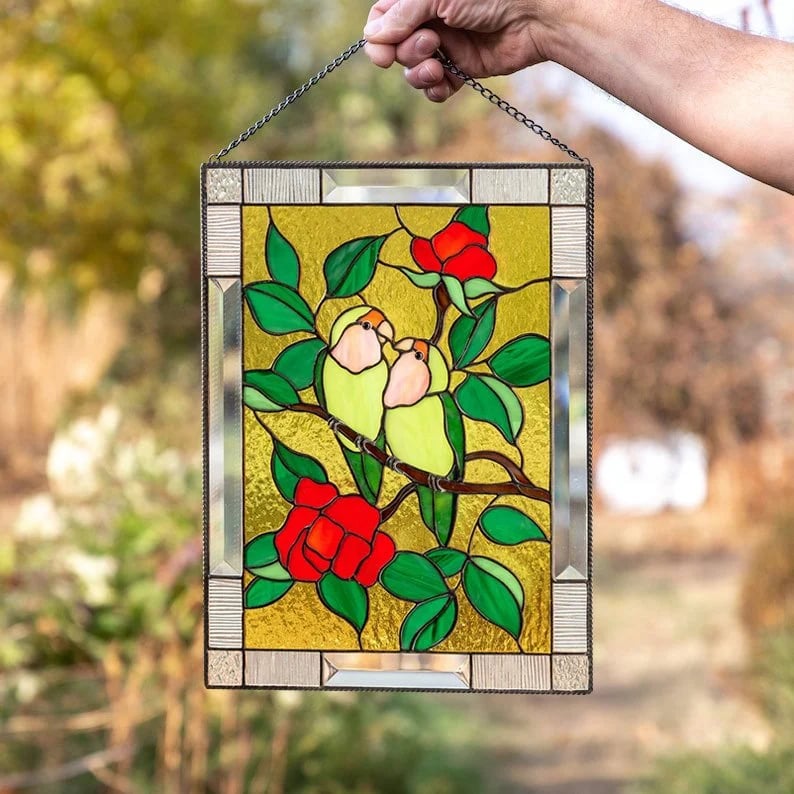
{"x": 224, "y": 408}
{"x": 225, "y": 613}
{"x": 568, "y": 185}
{"x": 570, "y": 617}
{"x": 510, "y": 186}
{"x": 570, "y": 673}
{"x": 395, "y": 185}
{"x": 224, "y": 185}
{"x": 569, "y": 242}
{"x": 223, "y": 240}
{"x": 569, "y": 420}
{"x": 282, "y": 669}
{"x": 519, "y": 672}
{"x": 224, "y": 668}
{"x": 281, "y": 185}
{"x": 397, "y": 670}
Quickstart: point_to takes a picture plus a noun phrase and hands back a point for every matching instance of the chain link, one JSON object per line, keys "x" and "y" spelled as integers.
{"x": 511, "y": 111}
{"x": 491, "y": 96}
{"x": 293, "y": 97}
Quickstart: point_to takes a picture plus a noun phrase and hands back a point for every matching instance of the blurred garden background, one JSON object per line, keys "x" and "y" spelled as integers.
{"x": 107, "y": 110}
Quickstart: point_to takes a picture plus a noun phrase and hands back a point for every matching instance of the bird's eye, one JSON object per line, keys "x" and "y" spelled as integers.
{"x": 366, "y": 325}
{"x": 418, "y": 356}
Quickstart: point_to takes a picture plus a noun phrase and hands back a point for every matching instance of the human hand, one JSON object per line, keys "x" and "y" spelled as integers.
{"x": 482, "y": 37}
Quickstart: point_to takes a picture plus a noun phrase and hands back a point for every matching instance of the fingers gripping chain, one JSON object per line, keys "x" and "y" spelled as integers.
{"x": 493, "y": 98}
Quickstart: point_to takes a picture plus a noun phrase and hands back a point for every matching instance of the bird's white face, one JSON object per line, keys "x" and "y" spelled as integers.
{"x": 360, "y": 345}
{"x": 409, "y": 377}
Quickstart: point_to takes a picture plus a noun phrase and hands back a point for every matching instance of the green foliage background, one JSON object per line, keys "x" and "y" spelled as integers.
{"x": 107, "y": 110}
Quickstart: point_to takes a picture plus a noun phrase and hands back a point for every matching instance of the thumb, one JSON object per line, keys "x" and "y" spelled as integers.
{"x": 399, "y": 20}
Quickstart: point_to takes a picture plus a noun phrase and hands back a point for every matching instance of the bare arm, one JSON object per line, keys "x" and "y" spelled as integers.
{"x": 730, "y": 94}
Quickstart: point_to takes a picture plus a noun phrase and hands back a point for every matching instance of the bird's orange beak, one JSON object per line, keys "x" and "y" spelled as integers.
{"x": 379, "y": 322}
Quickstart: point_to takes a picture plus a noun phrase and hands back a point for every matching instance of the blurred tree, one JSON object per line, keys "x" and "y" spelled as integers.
{"x": 100, "y": 187}
{"x": 673, "y": 345}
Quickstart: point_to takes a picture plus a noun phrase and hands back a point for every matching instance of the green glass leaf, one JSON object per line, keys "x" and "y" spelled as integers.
{"x": 296, "y": 362}
{"x": 477, "y": 287}
{"x": 277, "y": 308}
{"x": 319, "y": 392}
{"x": 264, "y": 390}
{"x": 261, "y": 551}
{"x": 475, "y": 216}
{"x": 487, "y": 399}
{"x": 449, "y": 561}
{"x": 366, "y": 471}
{"x": 524, "y": 361}
{"x": 346, "y": 598}
{"x": 412, "y": 577}
{"x": 453, "y": 425}
{"x": 508, "y": 526}
{"x": 495, "y": 592}
{"x": 438, "y": 510}
{"x": 351, "y": 266}
{"x": 262, "y": 592}
{"x": 456, "y": 295}
{"x": 423, "y": 280}
{"x": 469, "y": 336}
{"x": 275, "y": 570}
{"x": 288, "y": 466}
{"x": 281, "y": 258}
{"x": 428, "y": 623}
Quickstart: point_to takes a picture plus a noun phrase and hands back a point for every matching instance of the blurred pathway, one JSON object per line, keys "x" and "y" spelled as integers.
{"x": 669, "y": 656}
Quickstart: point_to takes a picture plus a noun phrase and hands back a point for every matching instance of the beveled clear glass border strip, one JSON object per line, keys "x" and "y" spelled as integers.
{"x": 397, "y": 670}
{"x": 224, "y": 413}
{"x": 395, "y": 186}
{"x": 570, "y": 486}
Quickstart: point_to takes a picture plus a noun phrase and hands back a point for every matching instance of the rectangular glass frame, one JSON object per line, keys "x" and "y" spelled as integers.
{"x": 567, "y": 190}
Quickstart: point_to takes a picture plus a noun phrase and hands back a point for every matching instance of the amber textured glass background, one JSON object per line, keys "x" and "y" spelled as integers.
{"x": 519, "y": 241}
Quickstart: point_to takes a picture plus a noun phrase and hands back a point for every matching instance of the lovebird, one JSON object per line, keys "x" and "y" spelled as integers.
{"x": 354, "y": 376}
{"x": 415, "y": 420}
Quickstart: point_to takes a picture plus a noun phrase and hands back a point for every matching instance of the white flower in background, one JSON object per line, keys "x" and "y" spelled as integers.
{"x": 78, "y": 455}
{"x": 93, "y": 572}
{"x": 38, "y": 519}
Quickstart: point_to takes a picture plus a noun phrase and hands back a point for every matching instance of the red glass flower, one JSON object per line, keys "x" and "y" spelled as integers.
{"x": 326, "y": 531}
{"x": 456, "y": 250}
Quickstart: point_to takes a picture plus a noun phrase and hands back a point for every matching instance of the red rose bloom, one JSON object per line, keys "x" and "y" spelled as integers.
{"x": 326, "y": 531}
{"x": 456, "y": 251}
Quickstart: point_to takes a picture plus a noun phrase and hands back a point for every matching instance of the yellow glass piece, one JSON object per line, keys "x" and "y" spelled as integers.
{"x": 519, "y": 241}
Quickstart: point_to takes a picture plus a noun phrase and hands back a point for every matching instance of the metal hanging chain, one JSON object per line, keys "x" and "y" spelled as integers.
{"x": 493, "y": 98}
{"x": 511, "y": 111}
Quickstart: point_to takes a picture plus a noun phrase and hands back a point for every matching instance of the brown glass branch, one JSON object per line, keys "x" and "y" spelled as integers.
{"x": 442, "y": 300}
{"x": 497, "y": 457}
{"x": 390, "y": 509}
{"x": 516, "y": 487}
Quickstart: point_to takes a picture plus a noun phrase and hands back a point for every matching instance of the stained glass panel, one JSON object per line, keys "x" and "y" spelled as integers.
{"x": 402, "y": 478}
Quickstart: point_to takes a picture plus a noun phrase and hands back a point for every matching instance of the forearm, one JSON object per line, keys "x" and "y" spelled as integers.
{"x": 730, "y": 94}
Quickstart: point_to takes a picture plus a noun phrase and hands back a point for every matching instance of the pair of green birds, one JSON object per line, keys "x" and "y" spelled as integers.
{"x": 402, "y": 401}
